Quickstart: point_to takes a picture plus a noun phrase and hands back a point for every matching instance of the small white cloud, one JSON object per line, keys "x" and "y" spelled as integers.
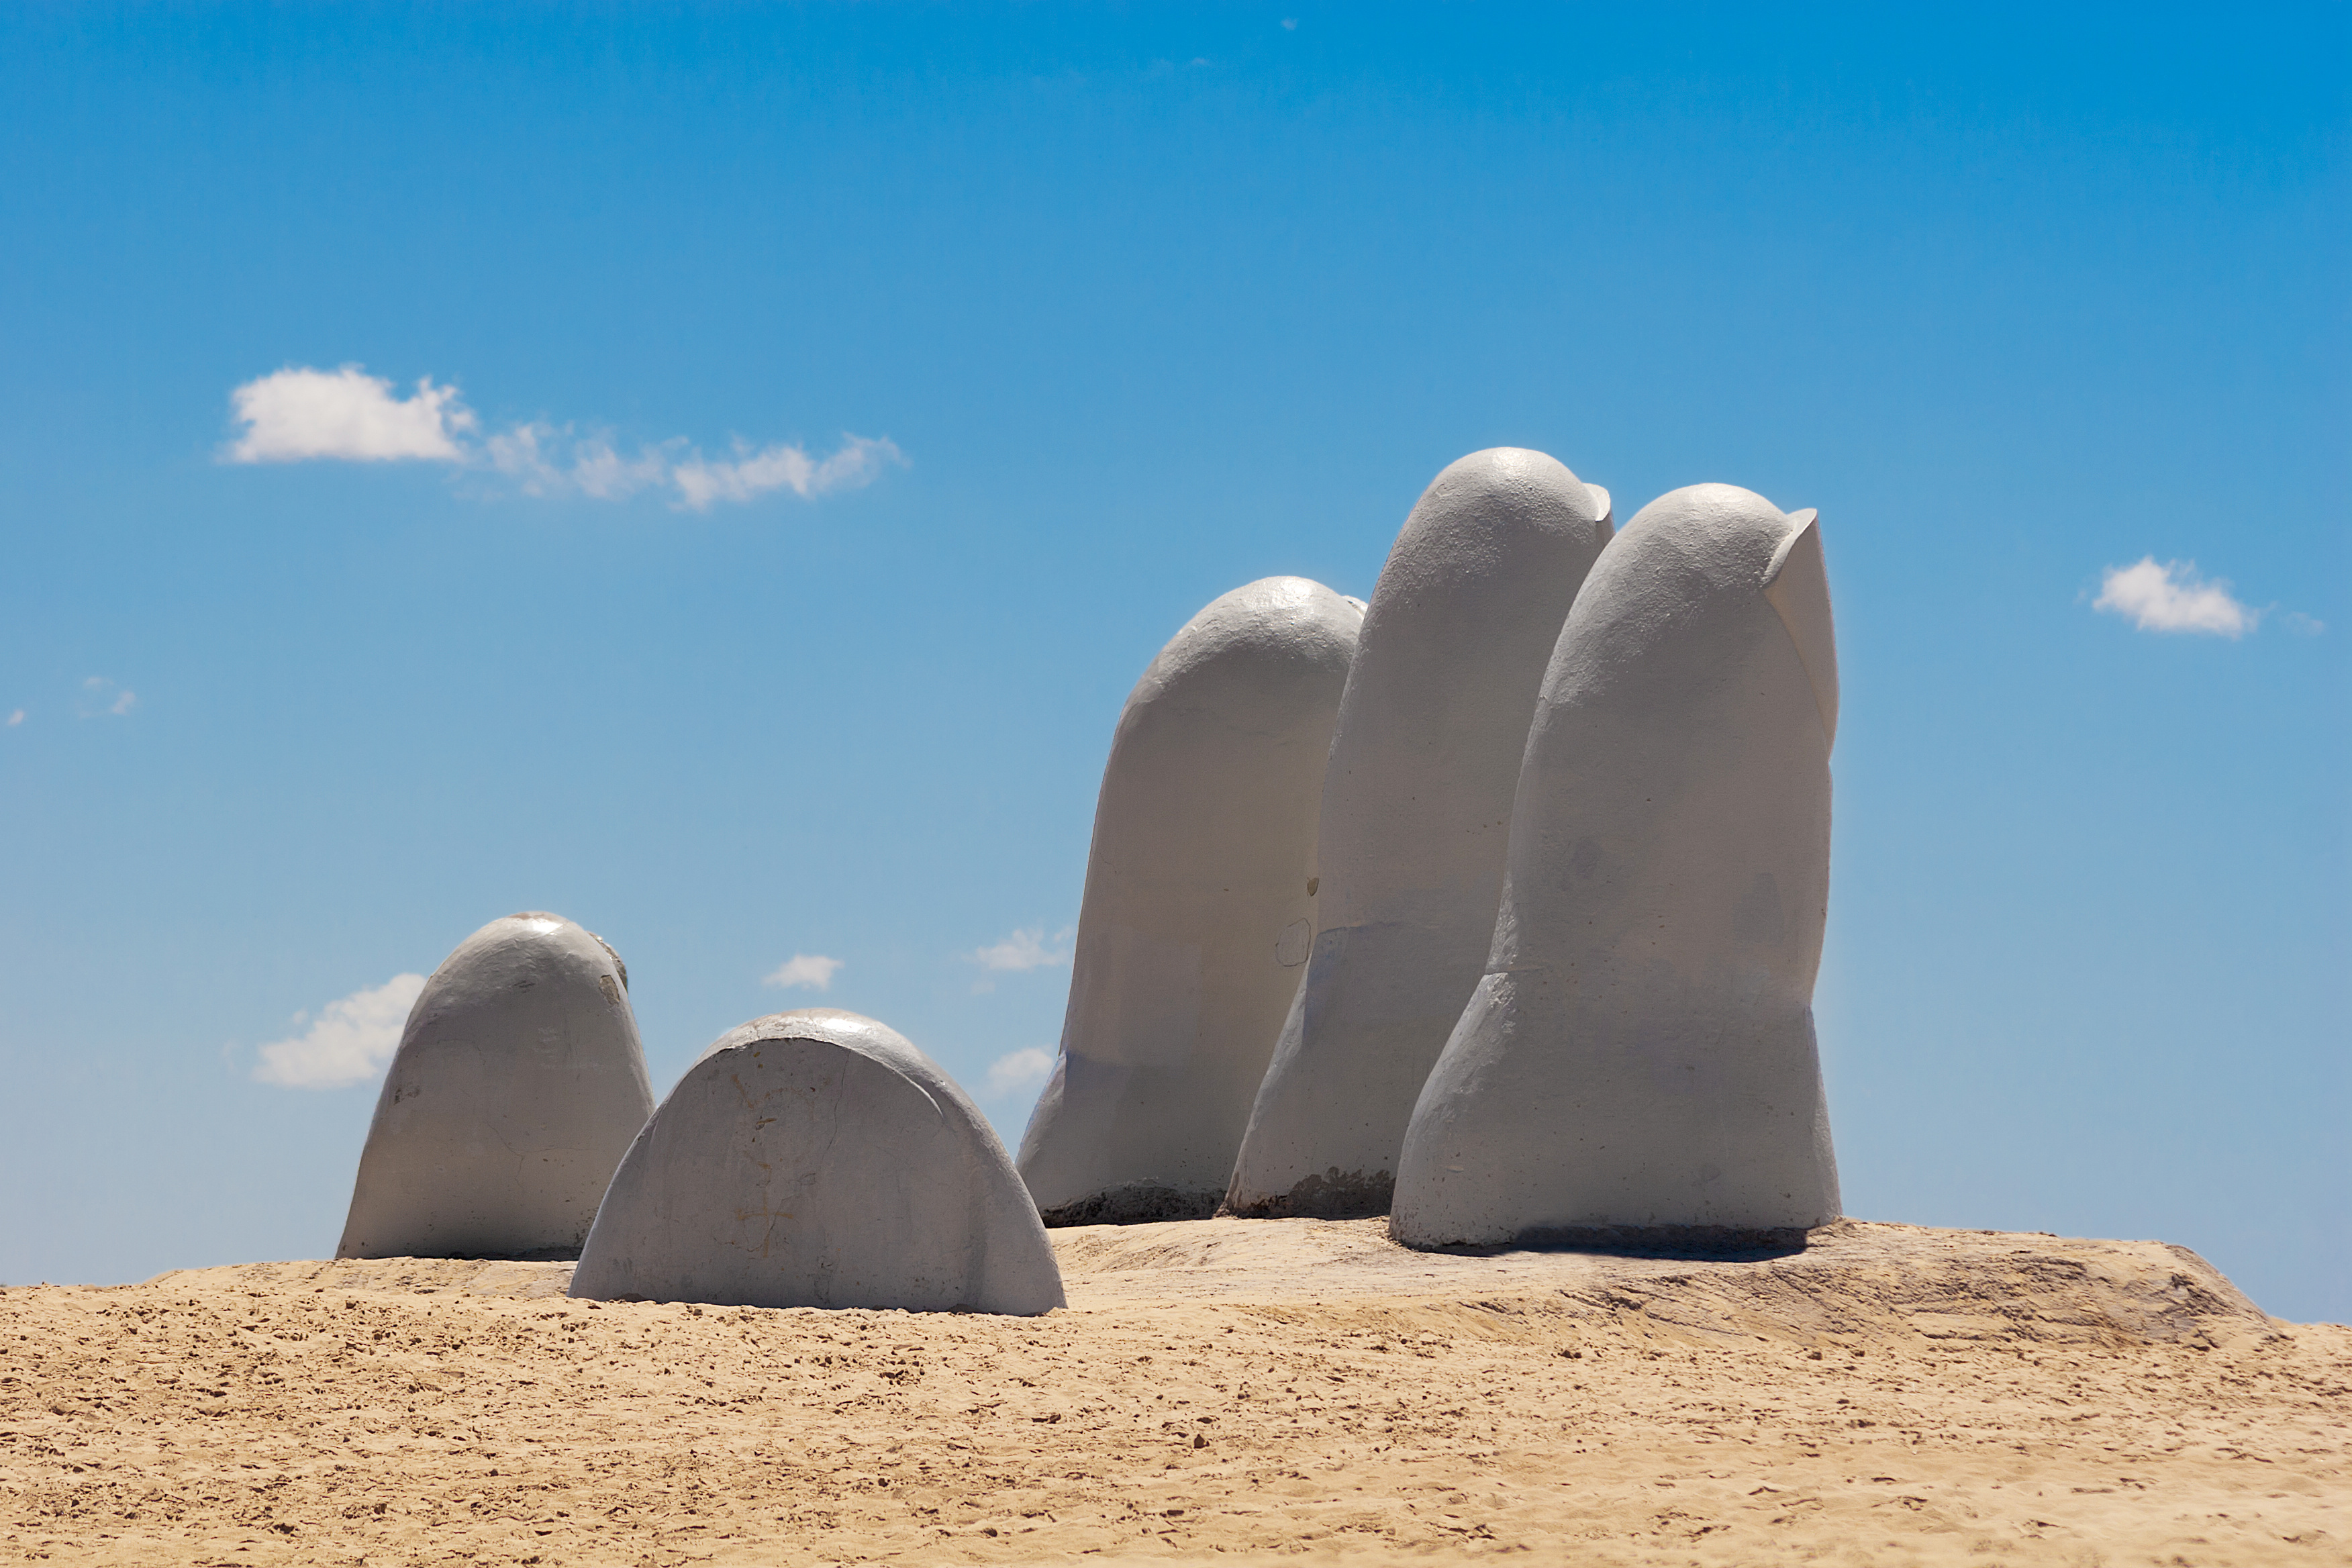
{"x": 350, "y": 1041}
{"x": 1024, "y": 949}
{"x": 297, "y": 414}
{"x": 104, "y": 698}
{"x": 2297, "y": 622}
{"x": 859, "y": 463}
{"x": 810, "y": 969}
{"x": 16, "y": 718}
{"x": 1018, "y": 1071}
{"x": 300, "y": 413}
{"x": 2173, "y": 598}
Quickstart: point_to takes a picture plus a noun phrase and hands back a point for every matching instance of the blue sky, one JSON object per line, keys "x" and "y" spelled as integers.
{"x": 1094, "y": 314}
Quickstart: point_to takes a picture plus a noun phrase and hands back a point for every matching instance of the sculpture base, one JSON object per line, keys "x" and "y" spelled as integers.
{"x": 1137, "y": 1203}
{"x": 1331, "y": 1196}
{"x": 1727, "y": 1243}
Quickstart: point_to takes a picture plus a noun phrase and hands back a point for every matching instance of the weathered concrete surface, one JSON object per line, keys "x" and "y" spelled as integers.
{"x": 1415, "y": 819}
{"x": 1199, "y": 913}
{"x": 1640, "y": 1051}
{"x": 818, "y": 1159}
{"x": 517, "y": 1087}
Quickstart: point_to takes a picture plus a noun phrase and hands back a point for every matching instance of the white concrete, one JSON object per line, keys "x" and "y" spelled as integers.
{"x": 1415, "y": 819}
{"x": 1197, "y": 920}
{"x": 818, "y": 1159}
{"x": 1639, "y": 1052}
{"x": 516, "y": 1089}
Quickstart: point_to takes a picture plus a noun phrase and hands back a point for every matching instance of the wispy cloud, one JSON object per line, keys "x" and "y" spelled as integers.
{"x": 1024, "y": 949}
{"x": 1018, "y": 1071}
{"x": 2172, "y": 598}
{"x": 103, "y": 699}
{"x": 302, "y": 414}
{"x": 812, "y": 970}
{"x": 549, "y": 461}
{"x": 859, "y": 463}
{"x": 349, "y": 1041}
{"x": 16, "y": 718}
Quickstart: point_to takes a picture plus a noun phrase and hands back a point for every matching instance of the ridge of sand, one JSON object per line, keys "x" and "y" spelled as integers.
{"x": 1303, "y": 1388}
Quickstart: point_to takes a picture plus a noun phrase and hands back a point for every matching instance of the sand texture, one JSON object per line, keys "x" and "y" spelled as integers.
{"x": 1216, "y": 1389}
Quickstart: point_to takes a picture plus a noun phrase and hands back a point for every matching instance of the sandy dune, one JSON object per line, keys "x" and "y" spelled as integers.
{"x": 1216, "y": 1389}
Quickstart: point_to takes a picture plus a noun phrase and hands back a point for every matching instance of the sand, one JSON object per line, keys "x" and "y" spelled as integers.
{"x": 1216, "y": 1390}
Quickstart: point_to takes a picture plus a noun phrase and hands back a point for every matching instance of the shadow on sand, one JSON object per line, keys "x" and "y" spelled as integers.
{"x": 1688, "y": 1243}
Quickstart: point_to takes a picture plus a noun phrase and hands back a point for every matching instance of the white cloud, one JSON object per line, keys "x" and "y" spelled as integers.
{"x": 2173, "y": 598}
{"x": 16, "y": 718}
{"x": 349, "y": 1041}
{"x": 300, "y": 413}
{"x": 603, "y": 474}
{"x": 1018, "y": 1071}
{"x": 297, "y": 414}
{"x": 549, "y": 461}
{"x": 2308, "y": 626}
{"x": 810, "y": 969}
{"x": 1024, "y": 949}
{"x": 780, "y": 467}
{"x": 104, "y": 698}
